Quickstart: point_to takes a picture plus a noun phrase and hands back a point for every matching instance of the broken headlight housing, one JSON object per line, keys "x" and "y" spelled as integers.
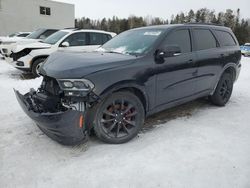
{"x": 75, "y": 87}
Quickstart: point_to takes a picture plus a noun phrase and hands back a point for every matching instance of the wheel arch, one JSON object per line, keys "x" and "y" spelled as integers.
{"x": 131, "y": 86}
{"x": 36, "y": 58}
{"x": 230, "y": 68}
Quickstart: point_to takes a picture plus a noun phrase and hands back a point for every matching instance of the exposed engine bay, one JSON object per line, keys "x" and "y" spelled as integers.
{"x": 50, "y": 98}
{"x": 59, "y": 116}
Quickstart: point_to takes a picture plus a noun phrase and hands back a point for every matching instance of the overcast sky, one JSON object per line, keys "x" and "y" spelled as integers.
{"x": 96, "y": 9}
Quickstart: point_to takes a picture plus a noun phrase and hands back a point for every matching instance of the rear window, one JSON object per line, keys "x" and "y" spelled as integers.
{"x": 204, "y": 39}
{"x": 225, "y": 38}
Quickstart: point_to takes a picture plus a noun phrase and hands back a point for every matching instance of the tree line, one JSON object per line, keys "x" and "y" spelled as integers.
{"x": 229, "y": 18}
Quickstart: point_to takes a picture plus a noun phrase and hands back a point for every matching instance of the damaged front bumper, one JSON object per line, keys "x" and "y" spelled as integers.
{"x": 66, "y": 127}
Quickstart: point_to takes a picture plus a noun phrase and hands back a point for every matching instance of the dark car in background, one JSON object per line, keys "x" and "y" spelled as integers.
{"x": 134, "y": 75}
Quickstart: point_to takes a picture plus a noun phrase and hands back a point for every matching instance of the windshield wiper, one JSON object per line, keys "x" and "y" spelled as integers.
{"x": 133, "y": 54}
{"x": 113, "y": 52}
{"x": 123, "y": 53}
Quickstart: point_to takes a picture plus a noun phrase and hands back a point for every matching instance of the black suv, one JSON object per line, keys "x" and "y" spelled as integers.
{"x": 136, "y": 74}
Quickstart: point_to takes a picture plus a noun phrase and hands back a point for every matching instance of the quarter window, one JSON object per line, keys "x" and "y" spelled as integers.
{"x": 45, "y": 11}
{"x": 76, "y": 39}
{"x": 225, "y": 38}
{"x": 204, "y": 39}
{"x": 179, "y": 38}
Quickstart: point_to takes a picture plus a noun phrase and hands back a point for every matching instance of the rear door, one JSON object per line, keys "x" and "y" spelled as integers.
{"x": 209, "y": 58}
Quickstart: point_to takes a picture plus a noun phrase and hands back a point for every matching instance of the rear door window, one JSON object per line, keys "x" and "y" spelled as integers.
{"x": 106, "y": 38}
{"x": 225, "y": 38}
{"x": 98, "y": 38}
{"x": 95, "y": 38}
{"x": 204, "y": 39}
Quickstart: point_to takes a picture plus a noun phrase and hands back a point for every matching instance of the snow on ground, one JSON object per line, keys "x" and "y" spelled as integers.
{"x": 194, "y": 145}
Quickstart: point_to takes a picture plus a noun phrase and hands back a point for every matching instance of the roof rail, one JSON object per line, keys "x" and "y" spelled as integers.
{"x": 202, "y": 23}
{"x": 75, "y": 28}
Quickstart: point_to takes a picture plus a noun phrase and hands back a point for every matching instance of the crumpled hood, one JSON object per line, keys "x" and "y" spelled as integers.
{"x": 73, "y": 65}
{"x": 31, "y": 44}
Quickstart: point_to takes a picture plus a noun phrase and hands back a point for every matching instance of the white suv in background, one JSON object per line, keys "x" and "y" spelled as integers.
{"x": 13, "y": 36}
{"x": 29, "y": 57}
{"x": 7, "y": 43}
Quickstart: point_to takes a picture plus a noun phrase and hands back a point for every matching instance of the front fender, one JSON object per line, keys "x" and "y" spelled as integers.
{"x": 128, "y": 84}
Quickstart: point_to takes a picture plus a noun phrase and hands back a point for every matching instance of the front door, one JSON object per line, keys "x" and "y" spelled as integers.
{"x": 176, "y": 75}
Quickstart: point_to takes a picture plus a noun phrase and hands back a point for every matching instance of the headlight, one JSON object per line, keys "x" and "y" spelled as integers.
{"x": 76, "y": 84}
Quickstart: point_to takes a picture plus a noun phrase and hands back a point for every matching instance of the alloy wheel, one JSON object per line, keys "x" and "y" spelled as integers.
{"x": 119, "y": 119}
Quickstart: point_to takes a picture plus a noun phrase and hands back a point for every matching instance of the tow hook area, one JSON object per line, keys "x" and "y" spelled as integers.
{"x": 62, "y": 124}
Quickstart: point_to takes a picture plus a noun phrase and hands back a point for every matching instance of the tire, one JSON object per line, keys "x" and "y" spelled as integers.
{"x": 35, "y": 66}
{"x": 223, "y": 90}
{"x": 118, "y": 118}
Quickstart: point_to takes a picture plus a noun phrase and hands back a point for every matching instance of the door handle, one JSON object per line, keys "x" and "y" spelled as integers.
{"x": 190, "y": 61}
{"x": 222, "y": 55}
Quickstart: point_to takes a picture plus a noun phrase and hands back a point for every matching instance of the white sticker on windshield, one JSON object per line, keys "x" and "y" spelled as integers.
{"x": 153, "y": 33}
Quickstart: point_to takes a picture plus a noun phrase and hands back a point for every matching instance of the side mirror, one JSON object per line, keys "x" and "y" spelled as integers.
{"x": 42, "y": 37}
{"x": 65, "y": 44}
{"x": 168, "y": 51}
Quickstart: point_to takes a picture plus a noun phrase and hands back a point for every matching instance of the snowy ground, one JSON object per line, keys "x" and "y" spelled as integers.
{"x": 194, "y": 145}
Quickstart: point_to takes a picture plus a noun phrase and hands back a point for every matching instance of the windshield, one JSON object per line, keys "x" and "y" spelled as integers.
{"x": 36, "y": 34}
{"x": 54, "y": 38}
{"x": 133, "y": 42}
